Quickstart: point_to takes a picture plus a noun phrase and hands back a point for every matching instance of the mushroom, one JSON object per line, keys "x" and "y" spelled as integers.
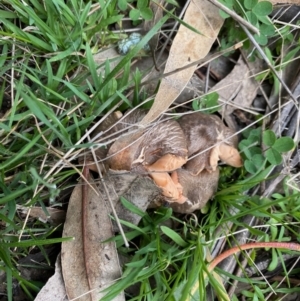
{"x": 112, "y": 127}
{"x": 162, "y": 150}
{"x": 157, "y": 150}
{"x": 208, "y": 141}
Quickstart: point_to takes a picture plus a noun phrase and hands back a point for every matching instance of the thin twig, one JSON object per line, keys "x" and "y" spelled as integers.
{"x": 235, "y": 16}
{"x": 265, "y": 58}
{"x": 200, "y": 62}
{"x": 110, "y": 201}
{"x": 255, "y": 245}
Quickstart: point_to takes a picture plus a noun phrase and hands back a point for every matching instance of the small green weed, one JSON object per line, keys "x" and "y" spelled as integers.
{"x": 256, "y": 13}
{"x": 255, "y": 158}
{"x": 207, "y": 104}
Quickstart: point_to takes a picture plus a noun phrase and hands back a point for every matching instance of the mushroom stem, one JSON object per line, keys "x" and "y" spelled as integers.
{"x": 168, "y": 162}
{"x": 230, "y": 155}
{"x": 164, "y": 181}
{"x": 170, "y": 186}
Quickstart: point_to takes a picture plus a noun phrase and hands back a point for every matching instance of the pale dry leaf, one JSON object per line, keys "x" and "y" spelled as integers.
{"x": 55, "y": 217}
{"x": 54, "y": 289}
{"x": 236, "y": 91}
{"x": 188, "y": 47}
{"x": 95, "y": 266}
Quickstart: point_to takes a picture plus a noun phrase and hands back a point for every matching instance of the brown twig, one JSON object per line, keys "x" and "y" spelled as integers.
{"x": 254, "y": 245}
{"x": 201, "y": 62}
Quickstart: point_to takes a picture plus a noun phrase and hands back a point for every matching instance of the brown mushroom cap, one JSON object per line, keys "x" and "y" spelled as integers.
{"x": 159, "y": 140}
{"x": 208, "y": 141}
{"x": 156, "y": 151}
{"x": 122, "y": 152}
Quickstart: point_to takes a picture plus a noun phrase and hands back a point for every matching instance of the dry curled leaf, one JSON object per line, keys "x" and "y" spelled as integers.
{"x": 237, "y": 90}
{"x": 55, "y": 216}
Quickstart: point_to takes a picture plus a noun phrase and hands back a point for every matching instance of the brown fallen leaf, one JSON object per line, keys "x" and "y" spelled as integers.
{"x": 88, "y": 265}
{"x": 187, "y": 47}
{"x": 55, "y": 216}
{"x": 237, "y": 90}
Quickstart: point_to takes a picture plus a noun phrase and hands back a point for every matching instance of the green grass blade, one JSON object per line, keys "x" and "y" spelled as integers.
{"x": 133, "y": 52}
{"x": 21, "y": 153}
{"x": 36, "y": 242}
{"x": 40, "y": 110}
{"x": 68, "y": 52}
